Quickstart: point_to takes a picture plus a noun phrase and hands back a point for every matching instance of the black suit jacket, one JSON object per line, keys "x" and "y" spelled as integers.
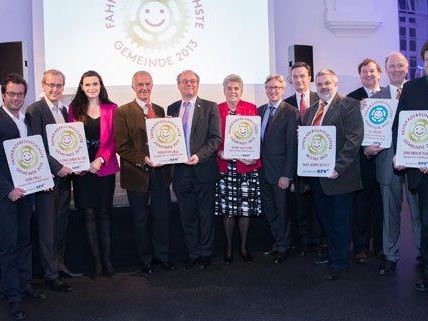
{"x": 279, "y": 145}
{"x": 414, "y": 96}
{"x": 292, "y": 100}
{"x": 344, "y": 113}
{"x": 39, "y": 115}
{"x": 8, "y": 130}
{"x": 205, "y": 136}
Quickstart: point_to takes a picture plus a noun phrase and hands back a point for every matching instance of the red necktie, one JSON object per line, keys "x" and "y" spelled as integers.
{"x": 397, "y": 96}
{"x": 303, "y": 105}
{"x": 150, "y": 112}
{"x": 318, "y": 115}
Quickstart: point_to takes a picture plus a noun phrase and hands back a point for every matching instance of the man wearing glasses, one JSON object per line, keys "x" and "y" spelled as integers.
{"x": 279, "y": 159}
{"x": 194, "y": 181}
{"x": 52, "y": 206}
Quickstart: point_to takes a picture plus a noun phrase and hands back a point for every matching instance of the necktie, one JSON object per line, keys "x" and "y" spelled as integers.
{"x": 397, "y": 96}
{"x": 303, "y": 105}
{"x": 185, "y": 121}
{"x": 265, "y": 124}
{"x": 56, "y": 112}
{"x": 150, "y": 112}
{"x": 319, "y": 113}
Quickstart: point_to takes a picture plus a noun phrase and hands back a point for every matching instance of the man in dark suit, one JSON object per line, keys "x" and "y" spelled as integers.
{"x": 15, "y": 208}
{"x": 391, "y": 181}
{"x": 194, "y": 181}
{"x": 415, "y": 97}
{"x": 279, "y": 158}
{"x": 52, "y": 207}
{"x": 308, "y": 227}
{"x": 334, "y": 195}
{"x": 142, "y": 179}
{"x": 368, "y": 204}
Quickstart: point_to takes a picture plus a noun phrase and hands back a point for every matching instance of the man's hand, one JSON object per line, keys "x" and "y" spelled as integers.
{"x": 64, "y": 171}
{"x": 283, "y": 182}
{"x": 334, "y": 175}
{"x": 16, "y": 194}
{"x": 193, "y": 160}
{"x": 372, "y": 150}
{"x": 397, "y": 167}
{"x": 149, "y": 162}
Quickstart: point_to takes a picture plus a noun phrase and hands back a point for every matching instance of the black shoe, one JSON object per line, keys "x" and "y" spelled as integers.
{"x": 246, "y": 257}
{"x": 228, "y": 259}
{"x": 270, "y": 252}
{"x": 422, "y": 285}
{"x": 333, "y": 274}
{"x": 147, "y": 268}
{"x": 321, "y": 260}
{"x": 59, "y": 285}
{"x": 203, "y": 263}
{"x": 33, "y": 294}
{"x": 168, "y": 266}
{"x": 16, "y": 310}
{"x": 279, "y": 257}
{"x": 387, "y": 267}
{"x": 67, "y": 274}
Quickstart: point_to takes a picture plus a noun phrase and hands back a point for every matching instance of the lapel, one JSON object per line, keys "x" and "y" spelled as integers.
{"x": 197, "y": 114}
{"x": 313, "y": 98}
{"x": 11, "y": 123}
{"x": 104, "y": 121}
{"x": 47, "y": 112}
{"x": 331, "y": 109}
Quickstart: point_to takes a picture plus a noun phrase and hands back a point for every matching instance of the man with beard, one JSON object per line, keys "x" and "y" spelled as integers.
{"x": 334, "y": 195}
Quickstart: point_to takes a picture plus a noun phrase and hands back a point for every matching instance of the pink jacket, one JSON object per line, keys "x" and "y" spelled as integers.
{"x": 107, "y": 149}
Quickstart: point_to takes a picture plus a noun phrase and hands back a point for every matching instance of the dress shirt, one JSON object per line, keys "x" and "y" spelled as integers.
{"x": 266, "y": 116}
{"x": 60, "y": 106}
{"x": 326, "y": 107}
{"x": 20, "y": 122}
{"x": 371, "y": 92}
{"x": 189, "y": 120}
{"x": 142, "y": 104}
{"x": 307, "y": 98}
{"x": 393, "y": 90}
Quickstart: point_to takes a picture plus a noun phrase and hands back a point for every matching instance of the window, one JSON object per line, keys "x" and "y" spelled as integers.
{"x": 412, "y": 45}
{"x": 412, "y": 33}
{"x": 402, "y": 32}
{"x": 403, "y": 45}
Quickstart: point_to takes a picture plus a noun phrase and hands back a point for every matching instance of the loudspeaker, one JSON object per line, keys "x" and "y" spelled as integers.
{"x": 302, "y": 53}
{"x": 11, "y": 59}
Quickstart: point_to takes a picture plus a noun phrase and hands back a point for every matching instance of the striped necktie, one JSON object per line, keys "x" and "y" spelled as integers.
{"x": 319, "y": 114}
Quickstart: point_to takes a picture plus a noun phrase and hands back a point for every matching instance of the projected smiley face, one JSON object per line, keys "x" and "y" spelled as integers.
{"x": 316, "y": 143}
{"x": 378, "y": 114}
{"x": 165, "y": 133}
{"x": 243, "y": 130}
{"x": 155, "y": 16}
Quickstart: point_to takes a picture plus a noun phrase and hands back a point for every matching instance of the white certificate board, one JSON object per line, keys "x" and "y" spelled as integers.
{"x": 242, "y": 137}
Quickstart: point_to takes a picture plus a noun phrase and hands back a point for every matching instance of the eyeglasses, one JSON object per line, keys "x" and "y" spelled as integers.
{"x": 12, "y": 94}
{"x": 274, "y": 88}
{"x": 52, "y": 85}
{"x": 190, "y": 81}
{"x": 143, "y": 84}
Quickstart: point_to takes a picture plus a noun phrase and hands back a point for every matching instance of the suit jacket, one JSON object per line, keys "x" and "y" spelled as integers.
{"x": 292, "y": 100}
{"x": 205, "y": 136}
{"x": 242, "y": 108}
{"x": 131, "y": 145}
{"x": 344, "y": 113}
{"x": 39, "y": 115}
{"x": 8, "y": 130}
{"x": 107, "y": 149}
{"x": 279, "y": 144}
{"x": 384, "y": 168}
{"x": 414, "y": 96}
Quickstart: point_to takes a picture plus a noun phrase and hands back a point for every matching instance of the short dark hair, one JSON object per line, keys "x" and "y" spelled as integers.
{"x": 14, "y": 79}
{"x": 299, "y": 64}
{"x": 424, "y": 49}
{"x": 365, "y": 62}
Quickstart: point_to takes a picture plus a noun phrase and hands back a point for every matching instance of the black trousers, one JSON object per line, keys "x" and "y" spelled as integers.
{"x": 152, "y": 240}
{"x": 196, "y": 204}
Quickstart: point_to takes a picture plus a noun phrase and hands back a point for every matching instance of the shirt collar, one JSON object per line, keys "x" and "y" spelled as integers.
{"x": 305, "y": 93}
{"x": 52, "y": 105}
{"x": 21, "y": 116}
{"x": 275, "y": 105}
{"x": 372, "y": 91}
{"x": 191, "y": 101}
{"x": 140, "y": 103}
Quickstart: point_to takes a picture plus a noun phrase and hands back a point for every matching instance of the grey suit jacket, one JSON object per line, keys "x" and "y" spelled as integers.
{"x": 39, "y": 115}
{"x": 384, "y": 168}
{"x": 344, "y": 113}
{"x": 205, "y": 136}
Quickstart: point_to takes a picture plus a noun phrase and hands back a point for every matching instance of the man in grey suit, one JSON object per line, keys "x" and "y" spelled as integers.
{"x": 52, "y": 206}
{"x": 194, "y": 181}
{"x": 390, "y": 180}
{"x": 334, "y": 195}
{"x": 279, "y": 158}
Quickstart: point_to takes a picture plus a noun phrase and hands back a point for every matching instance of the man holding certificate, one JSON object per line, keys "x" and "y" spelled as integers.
{"x": 142, "y": 178}
{"x": 334, "y": 195}
{"x": 52, "y": 206}
{"x": 15, "y": 208}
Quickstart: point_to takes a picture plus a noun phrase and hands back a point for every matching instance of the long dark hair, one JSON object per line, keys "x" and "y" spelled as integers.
{"x": 79, "y": 104}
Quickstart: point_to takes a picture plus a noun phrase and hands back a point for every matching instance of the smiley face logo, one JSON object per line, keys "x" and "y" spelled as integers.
{"x": 317, "y": 145}
{"x": 165, "y": 134}
{"x": 68, "y": 141}
{"x": 155, "y": 24}
{"x": 242, "y": 130}
{"x": 27, "y": 157}
{"x": 419, "y": 131}
{"x": 378, "y": 115}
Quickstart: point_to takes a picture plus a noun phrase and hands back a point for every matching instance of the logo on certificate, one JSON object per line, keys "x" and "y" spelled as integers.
{"x": 417, "y": 131}
{"x": 242, "y": 130}
{"x": 165, "y": 134}
{"x": 378, "y": 115}
{"x": 317, "y": 145}
{"x": 68, "y": 141}
{"x": 26, "y": 157}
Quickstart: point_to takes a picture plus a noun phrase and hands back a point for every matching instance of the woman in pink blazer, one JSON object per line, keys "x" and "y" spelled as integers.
{"x": 93, "y": 190}
{"x": 238, "y": 190}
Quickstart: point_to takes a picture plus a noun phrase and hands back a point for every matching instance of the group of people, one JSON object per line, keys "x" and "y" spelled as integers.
{"x": 365, "y": 183}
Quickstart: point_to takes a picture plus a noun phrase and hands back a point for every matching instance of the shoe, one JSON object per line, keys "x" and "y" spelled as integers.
{"x": 422, "y": 285}
{"x": 360, "y": 258}
{"x": 228, "y": 259}
{"x": 304, "y": 249}
{"x": 16, "y": 310}
{"x": 168, "y": 266}
{"x": 33, "y": 294}
{"x": 321, "y": 260}
{"x": 190, "y": 264}
{"x": 59, "y": 285}
{"x": 67, "y": 274}
{"x": 333, "y": 274}
{"x": 246, "y": 257}
{"x": 270, "y": 252}
{"x": 203, "y": 263}
{"x": 387, "y": 267}
{"x": 147, "y": 268}
{"x": 279, "y": 257}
